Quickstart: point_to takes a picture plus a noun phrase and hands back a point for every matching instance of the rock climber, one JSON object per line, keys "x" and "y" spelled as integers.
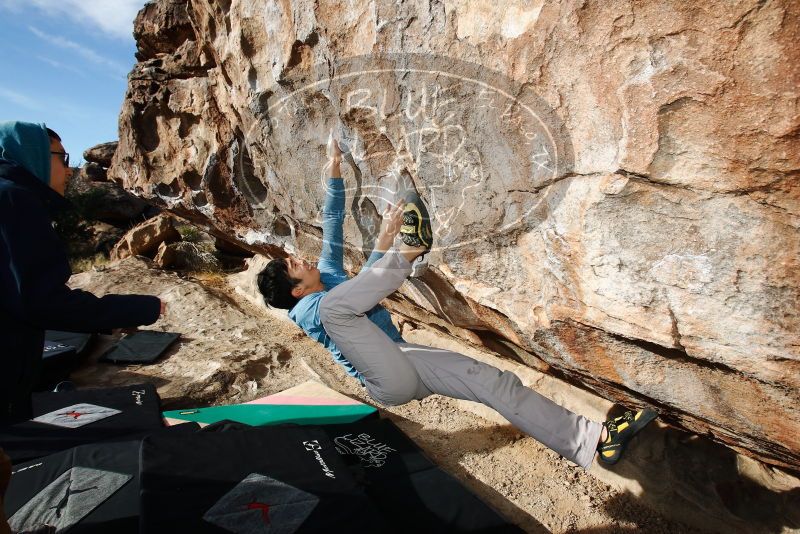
{"x": 345, "y": 316}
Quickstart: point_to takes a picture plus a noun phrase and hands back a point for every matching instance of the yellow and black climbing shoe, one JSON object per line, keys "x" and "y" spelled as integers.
{"x": 620, "y": 431}
{"x": 416, "y": 230}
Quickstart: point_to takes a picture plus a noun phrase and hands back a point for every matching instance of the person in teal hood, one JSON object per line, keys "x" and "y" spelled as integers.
{"x": 34, "y": 269}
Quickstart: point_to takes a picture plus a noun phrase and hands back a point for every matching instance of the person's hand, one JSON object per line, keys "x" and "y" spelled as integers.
{"x": 163, "y": 308}
{"x": 392, "y": 221}
{"x": 332, "y": 168}
{"x": 334, "y": 151}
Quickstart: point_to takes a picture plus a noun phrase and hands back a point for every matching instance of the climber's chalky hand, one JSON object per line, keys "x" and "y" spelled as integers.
{"x": 334, "y": 152}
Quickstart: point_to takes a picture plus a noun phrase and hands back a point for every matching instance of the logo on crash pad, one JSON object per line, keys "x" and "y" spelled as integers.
{"x": 77, "y": 415}
{"x": 68, "y": 499}
{"x": 260, "y": 503}
{"x": 370, "y": 452}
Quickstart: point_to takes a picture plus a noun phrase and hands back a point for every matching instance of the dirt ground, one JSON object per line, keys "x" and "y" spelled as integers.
{"x": 232, "y": 351}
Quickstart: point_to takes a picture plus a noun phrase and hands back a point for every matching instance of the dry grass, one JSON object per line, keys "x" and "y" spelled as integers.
{"x": 211, "y": 279}
{"x": 86, "y": 263}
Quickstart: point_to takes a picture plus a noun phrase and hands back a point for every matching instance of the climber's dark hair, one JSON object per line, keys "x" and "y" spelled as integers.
{"x": 52, "y": 135}
{"x": 276, "y": 285}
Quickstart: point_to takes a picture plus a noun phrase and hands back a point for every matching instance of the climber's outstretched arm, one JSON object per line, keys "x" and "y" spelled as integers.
{"x": 333, "y": 212}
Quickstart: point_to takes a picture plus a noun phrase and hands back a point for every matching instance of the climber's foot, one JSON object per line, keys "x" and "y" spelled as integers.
{"x": 416, "y": 234}
{"x": 416, "y": 230}
{"x": 619, "y": 432}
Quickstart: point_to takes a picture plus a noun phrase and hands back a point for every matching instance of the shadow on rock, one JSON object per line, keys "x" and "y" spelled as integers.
{"x": 704, "y": 484}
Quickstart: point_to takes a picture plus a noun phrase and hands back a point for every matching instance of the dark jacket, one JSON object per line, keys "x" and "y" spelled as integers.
{"x": 33, "y": 293}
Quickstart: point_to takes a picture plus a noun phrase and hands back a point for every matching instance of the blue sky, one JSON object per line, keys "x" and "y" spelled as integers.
{"x": 65, "y": 63}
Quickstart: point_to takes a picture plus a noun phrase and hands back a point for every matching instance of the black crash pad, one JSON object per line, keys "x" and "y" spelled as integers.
{"x": 104, "y": 477}
{"x": 144, "y": 346}
{"x": 259, "y": 479}
{"x": 411, "y": 492}
{"x": 61, "y": 354}
{"x": 70, "y": 418}
{"x": 78, "y": 341}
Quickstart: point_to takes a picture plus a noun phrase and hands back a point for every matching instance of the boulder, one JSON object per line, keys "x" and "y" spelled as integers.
{"x": 186, "y": 256}
{"x": 245, "y": 283}
{"x": 144, "y": 239}
{"x": 101, "y": 154}
{"x": 613, "y": 185}
{"x": 93, "y": 172}
{"x": 86, "y": 238}
{"x": 231, "y": 248}
{"x": 102, "y": 237}
{"x": 102, "y": 200}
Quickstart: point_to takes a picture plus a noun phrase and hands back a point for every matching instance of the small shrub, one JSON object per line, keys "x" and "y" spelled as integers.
{"x": 190, "y": 233}
{"x": 88, "y": 203}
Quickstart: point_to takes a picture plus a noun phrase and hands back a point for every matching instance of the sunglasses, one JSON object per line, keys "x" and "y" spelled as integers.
{"x": 64, "y": 157}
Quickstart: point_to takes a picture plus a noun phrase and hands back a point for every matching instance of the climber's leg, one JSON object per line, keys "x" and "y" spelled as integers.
{"x": 361, "y": 293}
{"x": 388, "y": 375}
{"x": 455, "y": 375}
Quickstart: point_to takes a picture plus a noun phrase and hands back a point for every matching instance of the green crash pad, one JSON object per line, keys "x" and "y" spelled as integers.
{"x": 270, "y": 414}
{"x": 309, "y": 403}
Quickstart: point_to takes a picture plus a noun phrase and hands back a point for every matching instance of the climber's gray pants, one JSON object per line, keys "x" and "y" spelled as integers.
{"x": 396, "y": 373}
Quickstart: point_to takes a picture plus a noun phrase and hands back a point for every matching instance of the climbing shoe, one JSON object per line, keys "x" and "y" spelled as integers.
{"x": 416, "y": 229}
{"x": 620, "y": 431}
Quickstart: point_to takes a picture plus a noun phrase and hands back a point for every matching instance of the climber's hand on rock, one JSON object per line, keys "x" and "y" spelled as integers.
{"x": 392, "y": 220}
{"x": 390, "y": 227}
{"x": 333, "y": 166}
{"x": 334, "y": 152}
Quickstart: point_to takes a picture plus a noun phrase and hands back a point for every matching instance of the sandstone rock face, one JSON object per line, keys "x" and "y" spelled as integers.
{"x": 614, "y": 186}
{"x": 102, "y": 200}
{"x": 145, "y": 239}
{"x": 102, "y": 237}
{"x": 101, "y": 154}
{"x": 94, "y": 172}
{"x": 185, "y": 255}
{"x": 231, "y": 248}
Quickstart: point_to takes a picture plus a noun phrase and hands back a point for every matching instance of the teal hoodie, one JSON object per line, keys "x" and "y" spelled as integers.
{"x": 28, "y": 145}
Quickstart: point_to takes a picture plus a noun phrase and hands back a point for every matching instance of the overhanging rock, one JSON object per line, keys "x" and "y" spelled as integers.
{"x": 614, "y": 186}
